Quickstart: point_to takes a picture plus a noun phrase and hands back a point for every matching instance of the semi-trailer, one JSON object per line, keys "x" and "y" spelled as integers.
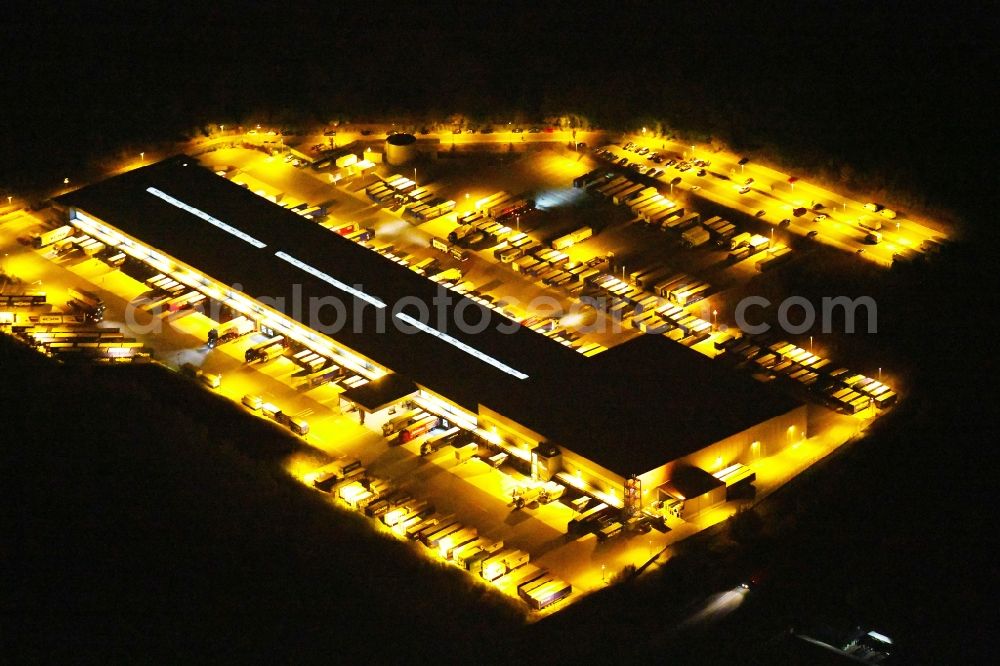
{"x": 498, "y": 565}
{"x": 88, "y": 302}
{"x": 434, "y": 533}
{"x": 437, "y": 440}
{"x": 265, "y": 351}
{"x": 775, "y": 258}
{"x": 679, "y": 222}
{"x": 739, "y": 254}
{"x": 695, "y": 236}
{"x": 611, "y": 191}
{"x": 229, "y": 331}
{"x": 621, "y": 196}
{"x": 340, "y": 469}
{"x": 644, "y": 196}
{"x": 758, "y": 243}
{"x": 400, "y": 421}
{"x": 689, "y": 294}
{"x": 407, "y": 511}
{"x": 450, "y": 543}
{"x": 46, "y": 238}
{"x": 739, "y": 240}
{"x": 581, "y": 524}
{"x": 572, "y": 238}
{"x": 507, "y": 209}
{"x": 614, "y": 183}
{"x": 524, "y": 575}
{"x": 492, "y": 200}
{"x": 548, "y": 594}
{"x": 422, "y": 425}
{"x": 662, "y": 289}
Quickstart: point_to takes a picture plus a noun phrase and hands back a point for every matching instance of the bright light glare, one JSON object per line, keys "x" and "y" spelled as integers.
{"x": 205, "y": 216}
{"x": 717, "y": 607}
{"x": 420, "y": 326}
{"x": 315, "y": 272}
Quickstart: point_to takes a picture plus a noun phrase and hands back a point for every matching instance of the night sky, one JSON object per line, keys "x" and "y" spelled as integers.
{"x": 890, "y": 90}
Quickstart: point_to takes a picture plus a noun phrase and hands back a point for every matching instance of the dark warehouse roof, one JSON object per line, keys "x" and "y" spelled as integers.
{"x": 629, "y": 409}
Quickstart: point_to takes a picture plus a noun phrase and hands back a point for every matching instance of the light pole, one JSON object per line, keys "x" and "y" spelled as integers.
{"x": 517, "y": 218}
{"x": 714, "y": 315}
{"x": 9, "y": 199}
{"x": 603, "y": 577}
{"x": 810, "y": 344}
{"x": 142, "y": 156}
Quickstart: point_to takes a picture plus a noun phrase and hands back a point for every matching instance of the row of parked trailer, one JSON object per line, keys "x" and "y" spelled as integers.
{"x": 837, "y": 387}
{"x": 69, "y": 337}
{"x": 640, "y": 302}
{"x": 502, "y": 206}
{"x": 453, "y": 541}
{"x": 65, "y": 239}
{"x": 398, "y": 191}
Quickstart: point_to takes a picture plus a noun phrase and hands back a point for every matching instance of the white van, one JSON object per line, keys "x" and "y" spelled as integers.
{"x": 254, "y": 402}
{"x": 210, "y": 380}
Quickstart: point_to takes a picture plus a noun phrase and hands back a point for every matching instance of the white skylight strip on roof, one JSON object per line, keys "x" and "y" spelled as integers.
{"x": 500, "y": 365}
{"x": 205, "y": 216}
{"x": 330, "y": 280}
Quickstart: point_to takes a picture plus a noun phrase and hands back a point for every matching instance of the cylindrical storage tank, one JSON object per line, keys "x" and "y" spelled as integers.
{"x": 400, "y": 149}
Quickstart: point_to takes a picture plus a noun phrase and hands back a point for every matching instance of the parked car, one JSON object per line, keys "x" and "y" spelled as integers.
{"x": 812, "y": 234}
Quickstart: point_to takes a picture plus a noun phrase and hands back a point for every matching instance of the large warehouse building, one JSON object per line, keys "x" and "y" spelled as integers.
{"x": 630, "y": 424}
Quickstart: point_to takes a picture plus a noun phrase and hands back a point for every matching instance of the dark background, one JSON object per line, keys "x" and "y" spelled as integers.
{"x": 176, "y": 535}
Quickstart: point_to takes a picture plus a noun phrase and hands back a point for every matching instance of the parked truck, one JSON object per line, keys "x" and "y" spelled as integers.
{"x": 231, "y": 330}
{"x": 399, "y": 421}
{"x": 265, "y": 351}
{"x": 422, "y": 425}
{"x": 46, "y": 238}
{"x": 867, "y": 223}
